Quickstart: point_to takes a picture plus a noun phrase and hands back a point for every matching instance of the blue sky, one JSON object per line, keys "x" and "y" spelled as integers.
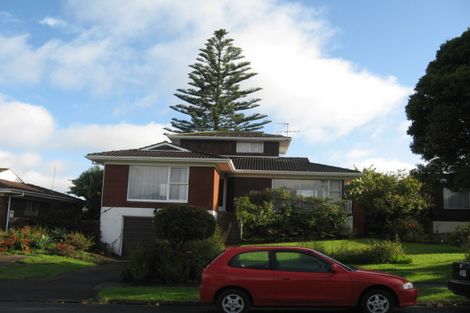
{"x": 82, "y": 76}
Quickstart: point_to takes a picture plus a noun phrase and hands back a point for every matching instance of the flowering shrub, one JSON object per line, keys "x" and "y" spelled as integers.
{"x": 64, "y": 249}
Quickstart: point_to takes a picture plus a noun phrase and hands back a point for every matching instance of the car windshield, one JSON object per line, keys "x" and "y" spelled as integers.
{"x": 348, "y": 267}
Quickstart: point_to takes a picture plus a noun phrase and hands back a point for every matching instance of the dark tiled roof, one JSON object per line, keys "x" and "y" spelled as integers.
{"x": 36, "y": 189}
{"x": 285, "y": 164}
{"x": 155, "y": 154}
{"x": 235, "y": 134}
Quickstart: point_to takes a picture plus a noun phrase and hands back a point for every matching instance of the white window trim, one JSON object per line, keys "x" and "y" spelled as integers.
{"x": 167, "y": 189}
{"x": 261, "y": 144}
{"x": 444, "y": 200}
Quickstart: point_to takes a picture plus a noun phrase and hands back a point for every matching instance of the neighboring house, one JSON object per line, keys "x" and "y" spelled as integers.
{"x": 26, "y": 203}
{"x": 205, "y": 169}
{"x": 450, "y": 209}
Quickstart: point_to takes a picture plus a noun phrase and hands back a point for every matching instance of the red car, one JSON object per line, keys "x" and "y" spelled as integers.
{"x": 292, "y": 276}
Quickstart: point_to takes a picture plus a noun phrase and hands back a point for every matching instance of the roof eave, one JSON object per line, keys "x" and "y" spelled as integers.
{"x": 297, "y": 173}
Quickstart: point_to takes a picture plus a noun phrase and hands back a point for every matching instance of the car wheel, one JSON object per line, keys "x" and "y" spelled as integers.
{"x": 233, "y": 301}
{"x": 377, "y": 301}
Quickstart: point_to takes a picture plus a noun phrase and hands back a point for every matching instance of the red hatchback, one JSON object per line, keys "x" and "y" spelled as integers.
{"x": 291, "y": 276}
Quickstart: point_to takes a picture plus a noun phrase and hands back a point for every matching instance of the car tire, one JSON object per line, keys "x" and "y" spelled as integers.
{"x": 233, "y": 301}
{"x": 377, "y": 301}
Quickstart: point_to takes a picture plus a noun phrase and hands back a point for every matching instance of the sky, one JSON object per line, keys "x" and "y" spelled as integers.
{"x": 82, "y": 76}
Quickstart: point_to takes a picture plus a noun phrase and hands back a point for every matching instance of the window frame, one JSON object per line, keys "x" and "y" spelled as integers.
{"x": 340, "y": 191}
{"x": 447, "y": 190}
{"x": 168, "y": 184}
{"x": 251, "y": 143}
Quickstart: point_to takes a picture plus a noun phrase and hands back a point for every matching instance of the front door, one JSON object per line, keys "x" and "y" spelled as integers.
{"x": 305, "y": 279}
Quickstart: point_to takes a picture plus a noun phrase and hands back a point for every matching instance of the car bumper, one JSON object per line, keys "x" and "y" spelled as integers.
{"x": 459, "y": 287}
{"x": 407, "y": 297}
{"x": 206, "y": 295}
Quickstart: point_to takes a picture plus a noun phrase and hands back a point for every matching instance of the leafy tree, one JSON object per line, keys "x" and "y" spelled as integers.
{"x": 387, "y": 199}
{"x": 89, "y": 185}
{"x": 215, "y": 100}
{"x": 439, "y": 112}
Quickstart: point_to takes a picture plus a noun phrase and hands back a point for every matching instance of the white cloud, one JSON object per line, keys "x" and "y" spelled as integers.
{"x": 109, "y": 137}
{"x": 53, "y": 22}
{"x": 23, "y": 124}
{"x": 384, "y": 164}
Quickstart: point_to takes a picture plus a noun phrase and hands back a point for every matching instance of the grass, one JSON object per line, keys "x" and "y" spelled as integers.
{"x": 40, "y": 266}
{"x": 430, "y": 263}
{"x": 150, "y": 294}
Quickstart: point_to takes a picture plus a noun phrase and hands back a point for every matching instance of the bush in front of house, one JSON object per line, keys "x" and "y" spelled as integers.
{"x": 387, "y": 199}
{"x": 181, "y": 223}
{"x": 461, "y": 235}
{"x": 276, "y": 215}
{"x": 409, "y": 229}
{"x": 185, "y": 241}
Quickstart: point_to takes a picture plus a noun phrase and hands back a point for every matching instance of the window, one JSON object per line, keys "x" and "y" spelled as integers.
{"x": 310, "y": 188}
{"x": 250, "y": 147}
{"x": 254, "y": 260}
{"x": 456, "y": 200}
{"x": 300, "y": 262}
{"x": 158, "y": 183}
{"x": 31, "y": 208}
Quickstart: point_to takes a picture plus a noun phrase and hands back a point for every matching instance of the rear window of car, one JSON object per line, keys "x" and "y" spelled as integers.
{"x": 251, "y": 260}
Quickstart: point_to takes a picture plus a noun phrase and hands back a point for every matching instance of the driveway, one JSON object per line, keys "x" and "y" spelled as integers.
{"x": 78, "y": 285}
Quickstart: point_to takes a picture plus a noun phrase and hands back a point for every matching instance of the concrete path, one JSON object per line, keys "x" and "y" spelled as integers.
{"x": 78, "y": 285}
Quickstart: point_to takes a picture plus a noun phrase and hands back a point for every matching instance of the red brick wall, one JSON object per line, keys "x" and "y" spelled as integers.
{"x": 241, "y": 186}
{"x": 224, "y": 147}
{"x": 203, "y": 183}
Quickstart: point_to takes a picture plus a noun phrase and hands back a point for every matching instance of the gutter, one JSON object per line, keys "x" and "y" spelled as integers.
{"x": 35, "y": 194}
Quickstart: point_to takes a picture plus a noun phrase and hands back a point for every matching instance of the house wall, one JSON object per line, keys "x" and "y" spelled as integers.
{"x": 3, "y": 211}
{"x": 241, "y": 186}
{"x": 223, "y": 147}
{"x": 445, "y": 220}
{"x": 203, "y": 188}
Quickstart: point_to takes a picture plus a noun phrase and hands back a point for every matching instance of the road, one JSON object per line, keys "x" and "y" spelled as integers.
{"x": 24, "y": 307}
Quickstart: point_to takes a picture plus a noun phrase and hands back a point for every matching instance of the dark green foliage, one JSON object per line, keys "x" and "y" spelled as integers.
{"x": 387, "y": 199}
{"x": 141, "y": 267}
{"x": 179, "y": 224}
{"x": 439, "y": 112}
{"x": 461, "y": 235}
{"x": 275, "y": 215}
{"x": 166, "y": 264}
{"x": 89, "y": 185}
{"x": 215, "y": 100}
{"x": 409, "y": 229}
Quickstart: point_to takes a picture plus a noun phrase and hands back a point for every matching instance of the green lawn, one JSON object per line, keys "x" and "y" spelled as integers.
{"x": 37, "y": 266}
{"x": 430, "y": 263}
{"x": 150, "y": 294}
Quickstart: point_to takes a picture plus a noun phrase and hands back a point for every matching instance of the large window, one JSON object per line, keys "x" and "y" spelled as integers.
{"x": 250, "y": 147}
{"x": 326, "y": 188}
{"x": 456, "y": 200}
{"x": 300, "y": 262}
{"x": 158, "y": 183}
{"x": 31, "y": 208}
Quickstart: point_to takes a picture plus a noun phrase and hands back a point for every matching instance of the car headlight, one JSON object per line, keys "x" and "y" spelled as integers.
{"x": 408, "y": 285}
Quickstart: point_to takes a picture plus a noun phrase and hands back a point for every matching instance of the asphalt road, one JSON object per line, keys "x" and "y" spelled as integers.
{"x": 22, "y": 307}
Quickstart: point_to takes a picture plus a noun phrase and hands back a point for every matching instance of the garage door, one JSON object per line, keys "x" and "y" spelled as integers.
{"x": 137, "y": 232}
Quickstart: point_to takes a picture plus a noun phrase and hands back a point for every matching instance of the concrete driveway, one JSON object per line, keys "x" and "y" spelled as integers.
{"x": 78, "y": 285}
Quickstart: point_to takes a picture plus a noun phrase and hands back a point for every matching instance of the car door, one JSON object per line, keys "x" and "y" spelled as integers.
{"x": 302, "y": 278}
{"x": 253, "y": 272}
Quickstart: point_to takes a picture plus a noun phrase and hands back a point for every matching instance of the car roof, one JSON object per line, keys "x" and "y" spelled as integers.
{"x": 265, "y": 248}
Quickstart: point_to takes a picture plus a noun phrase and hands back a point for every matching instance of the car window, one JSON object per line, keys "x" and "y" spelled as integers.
{"x": 300, "y": 262}
{"x": 253, "y": 260}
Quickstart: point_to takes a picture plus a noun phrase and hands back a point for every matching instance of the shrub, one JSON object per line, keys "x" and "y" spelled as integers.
{"x": 179, "y": 224}
{"x": 64, "y": 249}
{"x": 461, "y": 235}
{"x": 275, "y": 215}
{"x": 408, "y": 229}
{"x": 79, "y": 241}
{"x": 141, "y": 267}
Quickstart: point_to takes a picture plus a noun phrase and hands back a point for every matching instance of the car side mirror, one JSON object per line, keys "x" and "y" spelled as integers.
{"x": 334, "y": 268}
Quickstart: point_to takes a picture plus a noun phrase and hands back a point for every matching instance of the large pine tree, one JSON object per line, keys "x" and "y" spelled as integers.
{"x": 215, "y": 100}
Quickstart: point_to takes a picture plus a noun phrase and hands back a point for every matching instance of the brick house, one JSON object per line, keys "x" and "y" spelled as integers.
{"x": 23, "y": 203}
{"x": 205, "y": 169}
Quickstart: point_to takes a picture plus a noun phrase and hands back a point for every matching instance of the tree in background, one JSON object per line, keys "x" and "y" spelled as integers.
{"x": 394, "y": 204}
{"x": 215, "y": 100}
{"x": 439, "y": 112}
{"x": 89, "y": 185}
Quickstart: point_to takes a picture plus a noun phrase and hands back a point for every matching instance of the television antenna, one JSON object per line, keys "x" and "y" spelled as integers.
{"x": 286, "y": 130}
